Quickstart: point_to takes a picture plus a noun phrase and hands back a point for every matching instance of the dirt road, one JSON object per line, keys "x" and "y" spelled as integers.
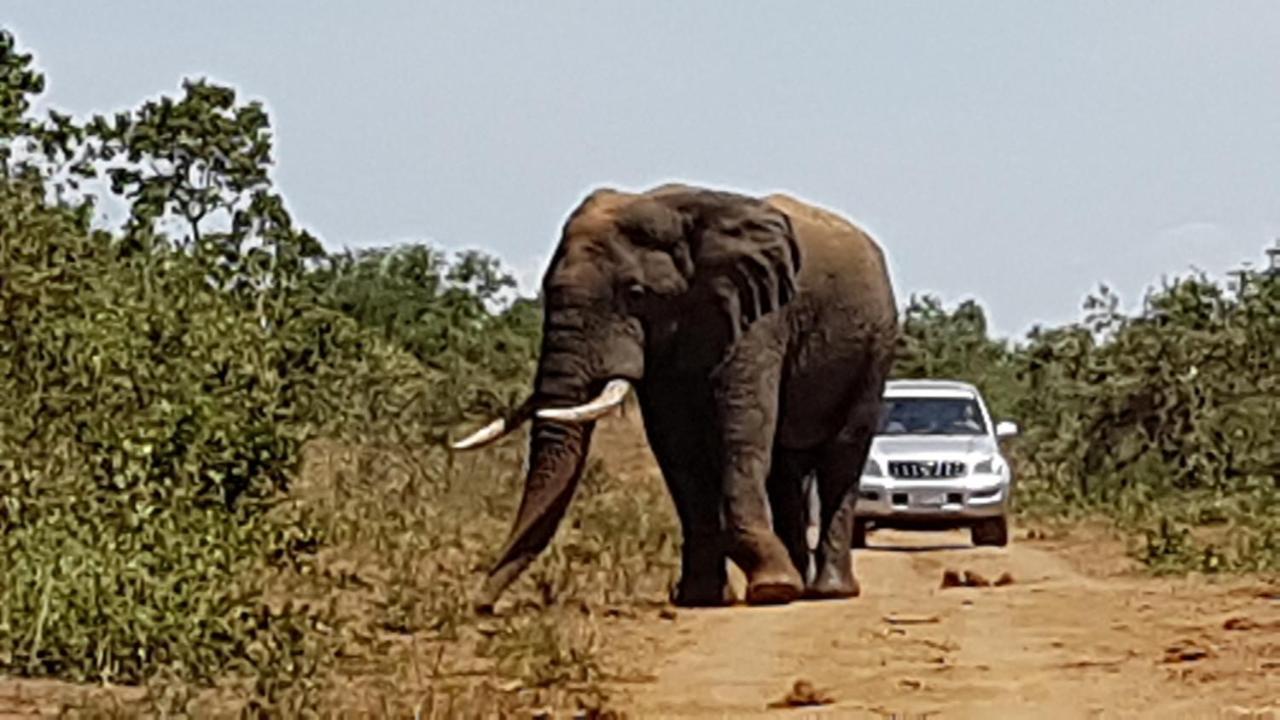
{"x": 1056, "y": 643}
{"x": 1079, "y": 633}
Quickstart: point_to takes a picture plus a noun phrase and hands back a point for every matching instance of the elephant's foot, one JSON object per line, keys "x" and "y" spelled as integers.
{"x": 772, "y": 579}
{"x": 701, "y": 594}
{"x": 834, "y": 580}
{"x": 704, "y": 578}
{"x": 774, "y": 589}
{"x": 833, "y": 589}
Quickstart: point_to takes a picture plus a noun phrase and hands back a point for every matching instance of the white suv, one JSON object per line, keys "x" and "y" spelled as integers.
{"x": 936, "y": 464}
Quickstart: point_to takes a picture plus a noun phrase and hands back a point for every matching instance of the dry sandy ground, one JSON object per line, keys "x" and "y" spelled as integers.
{"x": 1080, "y": 633}
{"x": 1059, "y": 642}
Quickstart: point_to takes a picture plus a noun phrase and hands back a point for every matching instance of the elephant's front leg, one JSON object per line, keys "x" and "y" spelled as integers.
{"x": 747, "y": 402}
{"x": 678, "y": 419}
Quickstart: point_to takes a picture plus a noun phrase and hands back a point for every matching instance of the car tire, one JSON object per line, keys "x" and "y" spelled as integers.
{"x": 992, "y": 532}
{"x": 859, "y": 534}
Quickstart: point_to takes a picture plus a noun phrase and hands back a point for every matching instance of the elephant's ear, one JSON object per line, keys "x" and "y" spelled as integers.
{"x": 747, "y": 255}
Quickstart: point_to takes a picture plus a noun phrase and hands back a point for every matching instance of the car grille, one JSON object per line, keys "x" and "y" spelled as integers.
{"x": 924, "y": 469}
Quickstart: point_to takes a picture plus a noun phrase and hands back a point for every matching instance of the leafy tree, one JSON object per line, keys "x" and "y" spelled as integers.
{"x": 20, "y": 83}
{"x": 197, "y": 171}
{"x": 936, "y": 343}
{"x": 450, "y": 315}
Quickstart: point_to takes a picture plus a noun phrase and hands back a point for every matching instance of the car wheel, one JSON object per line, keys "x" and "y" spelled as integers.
{"x": 859, "y": 534}
{"x": 990, "y": 532}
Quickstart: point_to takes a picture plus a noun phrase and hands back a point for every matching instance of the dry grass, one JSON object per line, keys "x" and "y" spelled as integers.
{"x": 407, "y": 535}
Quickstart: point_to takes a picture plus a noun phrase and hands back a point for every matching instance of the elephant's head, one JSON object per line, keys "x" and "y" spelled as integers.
{"x": 627, "y": 269}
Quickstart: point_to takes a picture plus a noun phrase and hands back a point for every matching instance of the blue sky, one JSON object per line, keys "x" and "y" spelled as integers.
{"x": 1015, "y": 152}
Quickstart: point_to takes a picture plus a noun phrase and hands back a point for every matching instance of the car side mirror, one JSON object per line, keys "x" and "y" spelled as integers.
{"x": 1006, "y": 429}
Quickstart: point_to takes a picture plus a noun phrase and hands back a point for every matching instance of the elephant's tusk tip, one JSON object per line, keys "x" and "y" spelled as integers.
{"x": 463, "y": 444}
{"x": 483, "y": 436}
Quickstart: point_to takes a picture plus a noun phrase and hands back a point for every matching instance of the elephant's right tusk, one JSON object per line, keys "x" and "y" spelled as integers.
{"x": 483, "y": 436}
{"x": 496, "y": 429}
{"x": 609, "y": 398}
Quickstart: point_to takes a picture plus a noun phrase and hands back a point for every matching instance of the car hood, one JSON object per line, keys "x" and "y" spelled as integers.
{"x": 904, "y": 445}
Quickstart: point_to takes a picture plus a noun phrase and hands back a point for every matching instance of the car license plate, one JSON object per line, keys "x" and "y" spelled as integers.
{"x": 931, "y": 499}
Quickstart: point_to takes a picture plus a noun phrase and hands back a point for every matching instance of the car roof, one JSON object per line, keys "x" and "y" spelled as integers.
{"x": 930, "y": 388}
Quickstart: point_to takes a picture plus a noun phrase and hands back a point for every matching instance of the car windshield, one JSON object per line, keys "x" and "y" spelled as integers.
{"x": 932, "y": 416}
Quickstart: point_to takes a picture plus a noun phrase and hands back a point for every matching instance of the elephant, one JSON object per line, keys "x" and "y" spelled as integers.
{"x": 757, "y": 334}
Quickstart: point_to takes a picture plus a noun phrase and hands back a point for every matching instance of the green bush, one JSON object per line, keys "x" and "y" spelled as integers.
{"x": 145, "y": 442}
{"x": 222, "y": 463}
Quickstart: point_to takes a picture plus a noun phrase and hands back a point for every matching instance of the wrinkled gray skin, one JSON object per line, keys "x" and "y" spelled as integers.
{"x": 758, "y": 335}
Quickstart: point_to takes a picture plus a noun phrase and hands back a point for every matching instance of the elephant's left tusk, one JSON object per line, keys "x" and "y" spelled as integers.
{"x": 609, "y": 398}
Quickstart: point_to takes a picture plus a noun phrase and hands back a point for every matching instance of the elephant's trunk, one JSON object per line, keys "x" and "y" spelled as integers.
{"x": 557, "y": 456}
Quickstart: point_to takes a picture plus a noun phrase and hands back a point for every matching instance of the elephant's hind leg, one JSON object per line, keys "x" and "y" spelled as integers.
{"x": 789, "y": 505}
{"x": 839, "y": 472}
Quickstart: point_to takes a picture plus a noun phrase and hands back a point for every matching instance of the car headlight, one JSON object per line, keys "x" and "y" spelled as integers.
{"x": 988, "y": 466}
{"x": 872, "y": 469}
